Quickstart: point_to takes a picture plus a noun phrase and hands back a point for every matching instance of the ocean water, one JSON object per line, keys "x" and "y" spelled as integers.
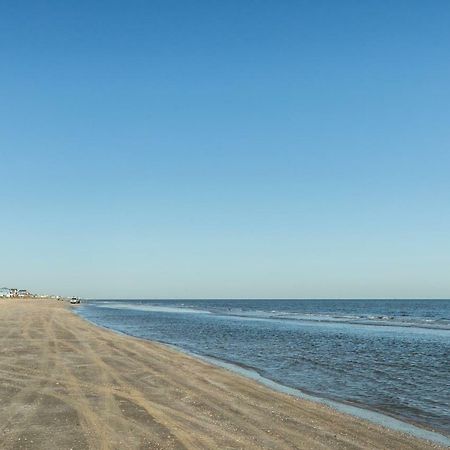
{"x": 390, "y": 356}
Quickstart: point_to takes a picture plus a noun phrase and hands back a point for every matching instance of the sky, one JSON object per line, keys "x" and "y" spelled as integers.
{"x": 225, "y": 149}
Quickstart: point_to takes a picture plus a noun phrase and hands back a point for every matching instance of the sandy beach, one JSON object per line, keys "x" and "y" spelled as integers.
{"x": 67, "y": 384}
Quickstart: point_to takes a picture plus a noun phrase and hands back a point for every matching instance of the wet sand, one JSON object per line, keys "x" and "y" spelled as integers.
{"x": 67, "y": 384}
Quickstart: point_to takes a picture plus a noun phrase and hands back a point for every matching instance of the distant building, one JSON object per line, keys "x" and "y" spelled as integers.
{"x": 13, "y": 293}
{"x": 23, "y": 293}
{"x": 5, "y": 292}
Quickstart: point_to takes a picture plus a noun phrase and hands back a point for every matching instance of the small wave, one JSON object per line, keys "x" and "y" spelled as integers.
{"x": 374, "y": 320}
{"x": 152, "y": 308}
{"x": 384, "y": 320}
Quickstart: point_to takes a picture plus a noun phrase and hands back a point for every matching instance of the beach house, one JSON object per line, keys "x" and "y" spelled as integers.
{"x": 5, "y": 292}
{"x": 23, "y": 293}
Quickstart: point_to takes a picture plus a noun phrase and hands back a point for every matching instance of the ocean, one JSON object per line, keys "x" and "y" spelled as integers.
{"x": 389, "y": 356}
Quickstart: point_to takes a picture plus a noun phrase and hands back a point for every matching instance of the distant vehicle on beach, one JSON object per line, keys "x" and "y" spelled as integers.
{"x": 74, "y": 301}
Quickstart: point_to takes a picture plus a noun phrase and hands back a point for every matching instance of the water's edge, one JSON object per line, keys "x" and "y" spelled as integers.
{"x": 383, "y": 420}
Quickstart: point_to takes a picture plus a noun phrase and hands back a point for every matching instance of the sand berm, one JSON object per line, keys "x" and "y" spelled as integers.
{"x": 67, "y": 384}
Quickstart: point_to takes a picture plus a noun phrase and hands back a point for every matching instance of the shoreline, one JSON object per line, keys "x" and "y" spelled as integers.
{"x": 68, "y": 383}
{"x": 383, "y": 419}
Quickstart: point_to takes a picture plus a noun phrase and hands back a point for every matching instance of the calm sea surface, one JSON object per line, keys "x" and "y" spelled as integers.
{"x": 391, "y": 356}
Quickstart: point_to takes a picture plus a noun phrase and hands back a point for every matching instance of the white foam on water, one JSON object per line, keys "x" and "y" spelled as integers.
{"x": 151, "y": 308}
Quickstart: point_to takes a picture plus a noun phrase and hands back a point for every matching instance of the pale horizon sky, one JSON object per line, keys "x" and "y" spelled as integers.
{"x": 241, "y": 149}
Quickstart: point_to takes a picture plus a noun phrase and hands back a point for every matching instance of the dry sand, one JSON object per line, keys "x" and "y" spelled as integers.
{"x": 66, "y": 384}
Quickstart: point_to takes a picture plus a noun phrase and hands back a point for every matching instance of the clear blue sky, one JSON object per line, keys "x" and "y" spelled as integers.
{"x": 225, "y": 148}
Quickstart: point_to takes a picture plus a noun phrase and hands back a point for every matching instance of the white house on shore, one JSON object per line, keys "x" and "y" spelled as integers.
{"x": 23, "y": 293}
{"x": 13, "y": 293}
{"x": 5, "y": 292}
